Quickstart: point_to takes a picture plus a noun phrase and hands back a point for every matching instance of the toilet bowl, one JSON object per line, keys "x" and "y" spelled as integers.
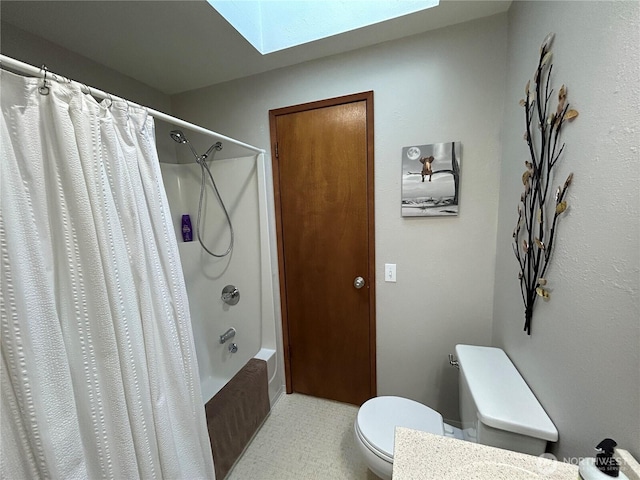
{"x": 496, "y": 407}
{"x": 375, "y": 428}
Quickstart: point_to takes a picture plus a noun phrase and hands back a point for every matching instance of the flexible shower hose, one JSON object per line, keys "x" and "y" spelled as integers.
{"x": 203, "y": 166}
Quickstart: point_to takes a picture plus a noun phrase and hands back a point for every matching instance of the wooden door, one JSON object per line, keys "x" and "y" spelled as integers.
{"x": 323, "y": 181}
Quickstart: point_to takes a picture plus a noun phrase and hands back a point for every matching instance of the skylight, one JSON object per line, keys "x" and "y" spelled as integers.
{"x": 272, "y": 25}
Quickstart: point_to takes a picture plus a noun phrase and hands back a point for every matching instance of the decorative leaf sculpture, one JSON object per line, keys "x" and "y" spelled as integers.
{"x": 533, "y": 237}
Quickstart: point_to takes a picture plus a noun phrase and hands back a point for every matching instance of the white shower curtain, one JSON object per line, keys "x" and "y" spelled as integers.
{"x": 99, "y": 376}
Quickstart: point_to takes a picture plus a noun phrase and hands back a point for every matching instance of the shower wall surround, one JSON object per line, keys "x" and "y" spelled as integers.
{"x": 246, "y": 267}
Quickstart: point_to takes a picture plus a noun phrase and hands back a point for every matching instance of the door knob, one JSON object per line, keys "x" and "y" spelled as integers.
{"x": 358, "y": 282}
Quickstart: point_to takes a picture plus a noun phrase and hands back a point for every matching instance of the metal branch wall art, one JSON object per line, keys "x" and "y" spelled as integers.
{"x": 540, "y": 207}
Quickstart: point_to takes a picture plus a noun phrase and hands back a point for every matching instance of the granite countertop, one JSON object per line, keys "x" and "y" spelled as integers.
{"x": 425, "y": 456}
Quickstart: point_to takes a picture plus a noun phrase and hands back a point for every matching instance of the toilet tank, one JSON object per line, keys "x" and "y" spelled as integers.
{"x": 497, "y": 407}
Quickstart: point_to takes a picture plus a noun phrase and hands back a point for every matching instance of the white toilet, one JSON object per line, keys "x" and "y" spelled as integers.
{"x": 497, "y": 408}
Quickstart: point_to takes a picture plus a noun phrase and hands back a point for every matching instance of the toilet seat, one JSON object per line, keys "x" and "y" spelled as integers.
{"x": 378, "y": 417}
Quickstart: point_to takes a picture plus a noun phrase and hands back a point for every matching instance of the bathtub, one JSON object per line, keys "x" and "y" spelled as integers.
{"x": 248, "y": 268}
{"x": 212, "y": 384}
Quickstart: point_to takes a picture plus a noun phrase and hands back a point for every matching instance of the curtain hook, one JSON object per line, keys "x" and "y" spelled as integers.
{"x": 44, "y": 88}
{"x": 110, "y": 98}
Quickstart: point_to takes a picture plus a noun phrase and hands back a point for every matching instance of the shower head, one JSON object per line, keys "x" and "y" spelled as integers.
{"x": 178, "y": 136}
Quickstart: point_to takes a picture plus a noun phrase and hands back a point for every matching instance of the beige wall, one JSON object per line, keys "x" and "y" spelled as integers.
{"x": 583, "y": 357}
{"x": 441, "y": 86}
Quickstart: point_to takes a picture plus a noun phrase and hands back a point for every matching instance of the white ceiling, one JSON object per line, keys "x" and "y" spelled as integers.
{"x": 175, "y": 46}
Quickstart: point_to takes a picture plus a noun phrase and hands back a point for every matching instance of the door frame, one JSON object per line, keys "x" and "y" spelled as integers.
{"x": 367, "y": 97}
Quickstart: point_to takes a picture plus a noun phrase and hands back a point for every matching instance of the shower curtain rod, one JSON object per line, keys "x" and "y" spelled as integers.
{"x": 22, "y": 67}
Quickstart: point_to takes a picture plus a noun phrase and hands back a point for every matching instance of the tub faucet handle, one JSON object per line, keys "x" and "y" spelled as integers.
{"x": 230, "y": 295}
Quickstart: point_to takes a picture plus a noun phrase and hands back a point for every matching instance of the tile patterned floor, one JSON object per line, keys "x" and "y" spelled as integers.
{"x": 304, "y": 438}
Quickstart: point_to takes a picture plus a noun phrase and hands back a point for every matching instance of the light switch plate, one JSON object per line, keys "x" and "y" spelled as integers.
{"x": 390, "y": 272}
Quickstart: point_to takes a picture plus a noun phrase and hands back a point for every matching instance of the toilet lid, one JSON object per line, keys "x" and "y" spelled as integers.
{"x": 378, "y": 418}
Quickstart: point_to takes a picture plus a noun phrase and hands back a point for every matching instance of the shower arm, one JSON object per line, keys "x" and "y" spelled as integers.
{"x": 193, "y": 150}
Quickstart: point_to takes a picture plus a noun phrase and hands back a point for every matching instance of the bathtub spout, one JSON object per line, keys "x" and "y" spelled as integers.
{"x": 229, "y": 334}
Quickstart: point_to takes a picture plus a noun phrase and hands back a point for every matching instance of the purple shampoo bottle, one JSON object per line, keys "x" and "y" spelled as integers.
{"x": 187, "y": 235}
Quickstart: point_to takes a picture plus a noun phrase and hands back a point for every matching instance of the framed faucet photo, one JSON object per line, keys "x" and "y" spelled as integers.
{"x": 431, "y": 180}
